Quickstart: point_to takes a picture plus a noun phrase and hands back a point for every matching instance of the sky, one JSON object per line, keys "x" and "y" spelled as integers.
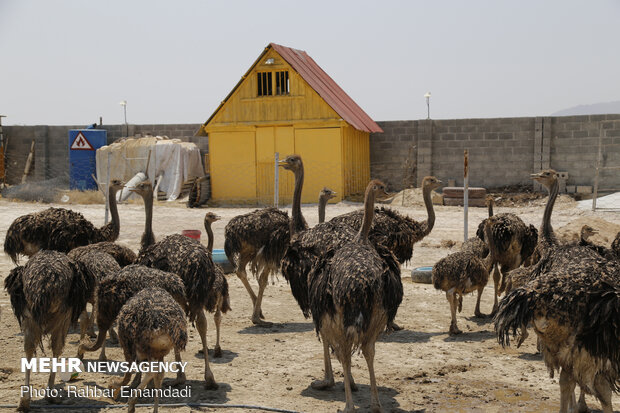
{"x": 68, "y": 62}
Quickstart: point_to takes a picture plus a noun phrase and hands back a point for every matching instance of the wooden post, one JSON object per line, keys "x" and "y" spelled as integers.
{"x": 276, "y": 174}
{"x": 29, "y": 162}
{"x": 465, "y": 190}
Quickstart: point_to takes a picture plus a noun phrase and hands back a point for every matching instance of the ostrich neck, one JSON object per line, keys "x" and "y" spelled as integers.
{"x": 209, "y": 236}
{"x": 369, "y": 211}
{"x": 547, "y": 236}
{"x": 322, "y": 205}
{"x": 148, "y": 238}
{"x": 298, "y": 223}
{"x": 430, "y": 221}
{"x": 490, "y": 209}
{"x": 111, "y": 230}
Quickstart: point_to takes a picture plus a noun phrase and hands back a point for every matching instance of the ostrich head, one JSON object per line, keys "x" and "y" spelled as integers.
{"x": 546, "y": 177}
{"x": 143, "y": 189}
{"x": 326, "y": 194}
{"x": 378, "y": 189}
{"x": 431, "y": 182}
{"x": 116, "y": 184}
{"x": 292, "y": 163}
{"x": 587, "y": 231}
{"x": 490, "y": 200}
{"x": 210, "y": 217}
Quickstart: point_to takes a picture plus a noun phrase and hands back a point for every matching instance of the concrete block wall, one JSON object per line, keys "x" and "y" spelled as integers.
{"x": 502, "y": 151}
{"x": 52, "y": 145}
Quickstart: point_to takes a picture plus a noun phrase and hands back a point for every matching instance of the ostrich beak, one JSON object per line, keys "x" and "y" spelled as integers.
{"x": 217, "y": 217}
{"x": 535, "y": 176}
{"x": 282, "y": 162}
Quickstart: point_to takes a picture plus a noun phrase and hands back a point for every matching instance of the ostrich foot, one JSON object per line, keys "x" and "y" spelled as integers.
{"x": 454, "y": 330}
{"x": 524, "y": 335}
{"x": 103, "y": 357}
{"x": 210, "y": 383}
{"x": 257, "y": 321}
{"x": 217, "y": 352}
{"x": 376, "y": 408}
{"x": 322, "y": 384}
{"x": 179, "y": 380}
{"x": 392, "y": 327}
{"x": 478, "y": 314}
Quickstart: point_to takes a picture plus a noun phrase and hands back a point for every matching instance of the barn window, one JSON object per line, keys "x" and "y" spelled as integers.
{"x": 282, "y": 83}
{"x": 264, "y": 84}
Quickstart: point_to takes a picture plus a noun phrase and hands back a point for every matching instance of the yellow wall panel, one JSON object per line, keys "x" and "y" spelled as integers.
{"x": 321, "y": 152}
{"x": 233, "y": 166}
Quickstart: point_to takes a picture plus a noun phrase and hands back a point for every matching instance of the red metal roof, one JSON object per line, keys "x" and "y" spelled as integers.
{"x": 329, "y": 90}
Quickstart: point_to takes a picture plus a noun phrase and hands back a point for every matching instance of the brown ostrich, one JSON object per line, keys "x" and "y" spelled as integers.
{"x": 573, "y": 303}
{"x": 260, "y": 238}
{"x": 354, "y": 293}
{"x": 398, "y": 233}
{"x": 324, "y": 196}
{"x": 218, "y": 300}
{"x": 512, "y": 244}
{"x": 187, "y": 258}
{"x": 150, "y": 324}
{"x": 100, "y": 265}
{"x": 59, "y": 229}
{"x": 458, "y": 274}
{"x": 122, "y": 254}
{"x": 48, "y": 294}
{"x": 615, "y": 245}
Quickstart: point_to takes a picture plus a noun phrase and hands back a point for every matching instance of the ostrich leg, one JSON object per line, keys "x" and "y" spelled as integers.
{"x": 477, "y": 312}
{"x": 257, "y": 314}
{"x": 217, "y": 318}
{"x": 369, "y": 354}
{"x": 567, "y": 392}
{"x": 328, "y": 381}
{"x": 453, "y": 304}
{"x": 201, "y": 325}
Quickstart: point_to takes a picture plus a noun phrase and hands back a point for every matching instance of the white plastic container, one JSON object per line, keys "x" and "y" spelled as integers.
{"x": 133, "y": 182}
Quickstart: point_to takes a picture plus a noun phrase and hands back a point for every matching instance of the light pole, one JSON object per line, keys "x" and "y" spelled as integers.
{"x": 427, "y": 95}
{"x": 123, "y": 103}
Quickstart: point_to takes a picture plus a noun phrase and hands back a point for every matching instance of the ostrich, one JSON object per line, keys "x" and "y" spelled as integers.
{"x": 114, "y": 291}
{"x": 187, "y": 258}
{"x": 260, "y": 238}
{"x": 398, "y": 233}
{"x": 59, "y": 229}
{"x": 150, "y": 324}
{"x": 100, "y": 265}
{"x": 615, "y": 245}
{"x": 513, "y": 242}
{"x": 458, "y": 274}
{"x": 573, "y": 302}
{"x": 325, "y": 195}
{"x": 218, "y": 300}
{"x": 354, "y": 294}
{"x": 48, "y": 294}
{"x": 123, "y": 255}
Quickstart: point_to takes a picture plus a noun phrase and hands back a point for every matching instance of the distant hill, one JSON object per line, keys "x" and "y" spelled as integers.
{"x": 594, "y": 109}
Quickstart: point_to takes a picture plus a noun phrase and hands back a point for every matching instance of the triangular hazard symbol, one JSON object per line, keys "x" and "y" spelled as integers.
{"x": 81, "y": 143}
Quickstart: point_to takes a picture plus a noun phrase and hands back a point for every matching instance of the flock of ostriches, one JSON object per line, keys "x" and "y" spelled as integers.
{"x": 344, "y": 273}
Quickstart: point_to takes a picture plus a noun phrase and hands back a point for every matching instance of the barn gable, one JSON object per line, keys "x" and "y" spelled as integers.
{"x": 286, "y": 85}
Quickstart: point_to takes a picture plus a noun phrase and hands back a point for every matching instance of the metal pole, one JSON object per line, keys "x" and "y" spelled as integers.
{"x": 428, "y": 108}
{"x": 276, "y": 175}
{"x": 3, "y": 154}
{"x": 107, "y": 192}
{"x": 126, "y": 124}
{"x": 465, "y": 191}
{"x": 598, "y": 166}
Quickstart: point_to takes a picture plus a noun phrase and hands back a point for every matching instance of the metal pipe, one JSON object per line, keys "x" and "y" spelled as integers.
{"x": 276, "y": 192}
{"x": 465, "y": 191}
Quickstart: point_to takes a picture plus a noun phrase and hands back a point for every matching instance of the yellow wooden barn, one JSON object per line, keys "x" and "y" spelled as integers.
{"x": 286, "y": 103}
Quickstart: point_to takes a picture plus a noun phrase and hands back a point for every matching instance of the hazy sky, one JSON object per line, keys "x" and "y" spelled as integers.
{"x": 69, "y": 62}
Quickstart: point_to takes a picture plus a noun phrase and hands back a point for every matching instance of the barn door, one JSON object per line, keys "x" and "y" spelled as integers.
{"x": 270, "y": 140}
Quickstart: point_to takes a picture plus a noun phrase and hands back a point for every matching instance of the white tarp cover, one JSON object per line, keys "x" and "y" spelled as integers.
{"x": 174, "y": 160}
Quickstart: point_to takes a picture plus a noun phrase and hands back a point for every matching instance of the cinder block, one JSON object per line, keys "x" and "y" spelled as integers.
{"x": 584, "y": 189}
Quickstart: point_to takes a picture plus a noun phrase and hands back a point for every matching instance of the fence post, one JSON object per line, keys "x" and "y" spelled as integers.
{"x": 276, "y": 180}
{"x": 465, "y": 190}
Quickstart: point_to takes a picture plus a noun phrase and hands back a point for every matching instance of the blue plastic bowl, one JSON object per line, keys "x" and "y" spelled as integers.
{"x": 220, "y": 258}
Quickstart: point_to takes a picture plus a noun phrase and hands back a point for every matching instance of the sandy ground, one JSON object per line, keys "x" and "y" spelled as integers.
{"x": 420, "y": 368}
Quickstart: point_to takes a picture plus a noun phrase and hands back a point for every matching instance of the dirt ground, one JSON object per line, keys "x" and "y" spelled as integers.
{"x": 420, "y": 368}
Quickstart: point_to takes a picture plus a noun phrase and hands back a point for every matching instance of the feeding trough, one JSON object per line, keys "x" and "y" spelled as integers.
{"x": 422, "y": 275}
{"x": 220, "y": 258}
